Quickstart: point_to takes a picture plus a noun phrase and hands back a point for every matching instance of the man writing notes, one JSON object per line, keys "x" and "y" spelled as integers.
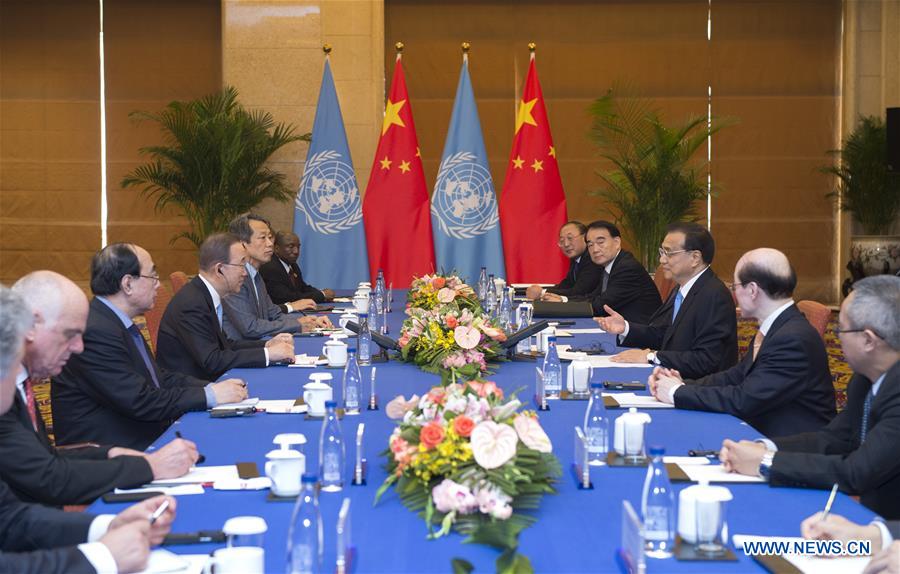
{"x": 695, "y": 331}
{"x": 624, "y": 285}
{"x": 583, "y": 276}
{"x": 114, "y": 391}
{"x": 782, "y": 385}
{"x": 250, "y": 313}
{"x": 283, "y": 278}
{"x": 858, "y": 449}
{"x": 39, "y": 540}
{"x": 191, "y": 340}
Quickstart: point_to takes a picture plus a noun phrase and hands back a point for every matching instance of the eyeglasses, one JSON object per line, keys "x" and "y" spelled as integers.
{"x": 663, "y": 252}
{"x": 839, "y": 331}
{"x": 154, "y": 278}
{"x": 565, "y": 240}
{"x": 734, "y": 286}
{"x": 233, "y": 264}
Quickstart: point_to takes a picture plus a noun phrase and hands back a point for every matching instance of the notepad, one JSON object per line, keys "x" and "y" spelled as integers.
{"x": 715, "y": 473}
{"x": 599, "y": 361}
{"x": 201, "y": 474}
{"x": 308, "y": 361}
{"x": 281, "y": 406}
{"x": 180, "y": 490}
{"x": 804, "y": 563}
{"x": 251, "y": 402}
{"x": 162, "y": 561}
{"x": 628, "y": 400}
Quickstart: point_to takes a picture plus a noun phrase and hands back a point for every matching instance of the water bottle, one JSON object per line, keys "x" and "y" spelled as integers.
{"x": 363, "y": 338}
{"x": 504, "y": 312}
{"x": 596, "y": 427}
{"x": 524, "y": 320}
{"x": 331, "y": 451}
{"x": 552, "y": 370}
{"x": 374, "y": 313}
{"x": 380, "y": 301}
{"x": 352, "y": 384}
{"x": 490, "y": 297}
{"x": 482, "y": 285}
{"x": 304, "y": 543}
{"x": 658, "y": 507}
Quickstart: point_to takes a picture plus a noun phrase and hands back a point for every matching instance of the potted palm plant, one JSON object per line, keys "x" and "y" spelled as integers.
{"x": 655, "y": 177}
{"x": 871, "y": 194}
{"x": 212, "y": 164}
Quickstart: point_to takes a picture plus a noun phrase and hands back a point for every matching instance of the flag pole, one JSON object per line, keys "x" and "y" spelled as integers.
{"x": 465, "y": 51}
{"x": 531, "y": 48}
{"x": 399, "y": 47}
{"x": 327, "y": 49}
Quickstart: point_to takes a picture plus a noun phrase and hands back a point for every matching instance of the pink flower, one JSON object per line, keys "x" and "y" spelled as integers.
{"x": 399, "y": 406}
{"x": 446, "y": 295}
{"x": 450, "y": 496}
{"x": 451, "y": 321}
{"x": 432, "y": 435}
{"x": 438, "y": 283}
{"x": 437, "y": 395}
{"x": 494, "y": 333}
{"x": 493, "y": 445}
{"x": 457, "y": 360}
{"x": 404, "y": 340}
{"x": 531, "y": 434}
{"x": 494, "y": 502}
{"x": 466, "y": 337}
{"x": 463, "y": 425}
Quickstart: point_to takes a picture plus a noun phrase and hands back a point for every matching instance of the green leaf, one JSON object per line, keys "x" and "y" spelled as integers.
{"x": 461, "y": 566}
{"x": 512, "y": 562}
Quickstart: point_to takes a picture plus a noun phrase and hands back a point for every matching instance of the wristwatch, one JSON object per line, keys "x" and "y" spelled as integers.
{"x": 651, "y": 358}
{"x": 765, "y": 465}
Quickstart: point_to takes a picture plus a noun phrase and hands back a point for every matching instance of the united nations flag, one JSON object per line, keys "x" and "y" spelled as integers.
{"x": 328, "y": 217}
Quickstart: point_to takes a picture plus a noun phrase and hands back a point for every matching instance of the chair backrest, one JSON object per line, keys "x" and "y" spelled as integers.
{"x": 817, "y": 314}
{"x": 179, "y": 279}
{"x": 663, "y": 284}
{"x": 154, "y": 315}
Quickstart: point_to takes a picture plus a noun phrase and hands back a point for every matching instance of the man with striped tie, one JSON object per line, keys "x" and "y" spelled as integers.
{"x": 782, "y": 385}
{"x": 858, "y": 449}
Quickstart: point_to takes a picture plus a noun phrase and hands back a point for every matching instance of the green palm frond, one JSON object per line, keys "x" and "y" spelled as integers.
{"x": 212, "y": 164}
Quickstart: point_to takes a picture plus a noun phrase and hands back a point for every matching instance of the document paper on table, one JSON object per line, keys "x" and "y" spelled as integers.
{"x": 806, "y": 563}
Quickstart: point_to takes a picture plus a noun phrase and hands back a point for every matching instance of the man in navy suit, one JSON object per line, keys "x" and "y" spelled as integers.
{"x": 782, "y": 385}
{"x": 283, "y": 277}
{"x": 583, "y": 276}
{"x": 695, "y": 331}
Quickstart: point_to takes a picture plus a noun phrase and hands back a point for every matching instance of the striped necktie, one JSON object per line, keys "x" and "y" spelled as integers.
{"x": 864, "y": 429}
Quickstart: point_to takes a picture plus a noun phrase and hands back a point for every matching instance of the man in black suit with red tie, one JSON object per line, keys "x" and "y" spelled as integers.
{"x": 695, "y": 331}
{"x": 583, "y": 276}
{"x": 284, "y": 280}
{"x": 858, "y": 449}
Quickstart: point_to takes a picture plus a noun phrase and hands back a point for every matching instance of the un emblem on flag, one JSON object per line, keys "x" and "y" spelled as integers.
{"x": 464, "y": 201}
{"x": 328, "y": 194}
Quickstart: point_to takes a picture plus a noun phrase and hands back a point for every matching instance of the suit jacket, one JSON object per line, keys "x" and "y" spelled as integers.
{"x": 834, "y": 454}
{"x": 36, "y": 472}
{"x": 42, "y": 534}
{"x": 629, "y": 291}
{"x": 583, "y": 277}
{"x": 281, "y": 289}
{"x": 247, "y": 318}
{"x": 703, "y": 339}
{"x": 107, "y": 395}
{"x": 190, "y": 340}
{"x": 788, "y": 389}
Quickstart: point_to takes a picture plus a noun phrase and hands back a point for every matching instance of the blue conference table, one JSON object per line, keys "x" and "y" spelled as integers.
{"x": 576, "y": 530}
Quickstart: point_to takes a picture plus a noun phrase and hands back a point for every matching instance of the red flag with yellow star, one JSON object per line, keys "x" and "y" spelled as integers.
{"x": 396, "y": 211}
{"x": 532, "y": 205}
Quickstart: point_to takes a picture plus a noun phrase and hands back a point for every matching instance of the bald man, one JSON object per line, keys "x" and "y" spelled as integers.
{"x": 782, "y": 386}
{"x": 284, "y": 280}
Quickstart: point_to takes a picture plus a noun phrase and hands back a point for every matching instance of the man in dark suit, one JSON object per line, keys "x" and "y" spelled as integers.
{"x": 783, "y": 384}
{"x": 39, "y": 540}
{"x": 32, "y": 468}
{"x": 858, "y": 449}
{"x": 882, "y": 535}
{"x": 624, "y": 285}
{"x": 191, "y": 340}
{"x": 114, "y": 392}
{"x": 283, "y": 277}
{"x": 695, "y": 331}
{"x": 583, "y": 276}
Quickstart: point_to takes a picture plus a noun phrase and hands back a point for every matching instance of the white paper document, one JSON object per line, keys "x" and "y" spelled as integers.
{"x": 627, "y": 400}
{"x": 599, "y": 361}
{"x": 251, "y": 402}
{"x": 342, "y": 300}
{"x": 201, "y": 474}
{"x": 716, "y": 473}
{"x": 281, "y": 407}
{"x": 308, "y": 361}
{"x": 258, "y": 483}
{"x": 162, "y": 561}
{"x": 686, "y": 460}
{"x": 181, "y": 490}
{"x": 586, "y": 331}
{"x": 809, "y": 564}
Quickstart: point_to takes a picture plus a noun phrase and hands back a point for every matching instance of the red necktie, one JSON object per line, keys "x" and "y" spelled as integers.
{"x": 29, "y": 402}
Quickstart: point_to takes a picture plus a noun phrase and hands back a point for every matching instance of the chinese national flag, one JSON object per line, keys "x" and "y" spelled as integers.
{"x": 533, "y": 205}
{"x": 396, "y": 209}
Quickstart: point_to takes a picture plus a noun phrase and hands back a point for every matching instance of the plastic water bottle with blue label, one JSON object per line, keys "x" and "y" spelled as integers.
{"x": 304, "y": 547}
{"x": 352, "y": 383}
{"x": 363, "y": 338}
{"x": 552, "y": 370}
{"x": 331, "y": 451}
{"x": 658, "y": 507}
{"x": 596, "y": 427}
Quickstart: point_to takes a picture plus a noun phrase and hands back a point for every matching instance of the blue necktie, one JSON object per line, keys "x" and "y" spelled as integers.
{"x": 142, "y": 349}
{"x": 219, "y": 314}
{"x": 678, "y": 299}
{"x": 865, "y": 418}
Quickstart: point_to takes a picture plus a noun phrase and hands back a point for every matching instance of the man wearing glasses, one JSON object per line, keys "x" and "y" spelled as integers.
{"x": 695, "y": 331}
{"x": 858, "y": 449}
{"x": 782, "y": 385}
{"x": 114, "y": 391}
{"x": 583, "y": 276}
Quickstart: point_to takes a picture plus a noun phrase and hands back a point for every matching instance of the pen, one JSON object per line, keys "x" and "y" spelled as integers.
{"x": 828, "y": 504}
{"x": 159, "y": 511}
{"x": 200, "y": 458}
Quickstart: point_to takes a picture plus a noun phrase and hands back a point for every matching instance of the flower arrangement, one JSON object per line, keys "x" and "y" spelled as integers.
{"x": 447, "y": 331}
{"x": 470, "y": 461}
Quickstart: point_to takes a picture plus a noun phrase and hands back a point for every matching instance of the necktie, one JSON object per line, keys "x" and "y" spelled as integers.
{"x": 757, "y": 343}
{"x": 605, "y": 281}
{"x": 142, "y": 349}
{"x": 219, "y": 314}
{"x": 295, "y": 279}
{"x": 29, "y": 402}
{"x": 574, "y": 270}
{"x": 865, "y": 418}
{"x": 679, "y": 298}
{"x": 257, "y": 285}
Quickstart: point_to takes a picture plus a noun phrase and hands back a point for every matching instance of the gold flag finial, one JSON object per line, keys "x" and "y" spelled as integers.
{"x": 326, "y": 48}
{"x": 399, "y": 46}
{"x": 465, "y": 47}
{"x": 531, "y": 47}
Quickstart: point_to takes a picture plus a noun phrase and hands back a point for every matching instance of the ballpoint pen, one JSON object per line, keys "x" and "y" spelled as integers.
{"x": 200, "y": 458}
{"x": 828, "y": 504}
{"x": 159, "y": 511}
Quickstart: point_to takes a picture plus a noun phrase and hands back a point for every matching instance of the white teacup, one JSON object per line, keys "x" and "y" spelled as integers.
{"x": 336, "y": 352}
{"x": 285, "y": 467}
{"x": 361, "y": 302}
{"x": 238, "y": 560}
{"x": 346, "y": 318}
{"x": 314, "y": 395}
